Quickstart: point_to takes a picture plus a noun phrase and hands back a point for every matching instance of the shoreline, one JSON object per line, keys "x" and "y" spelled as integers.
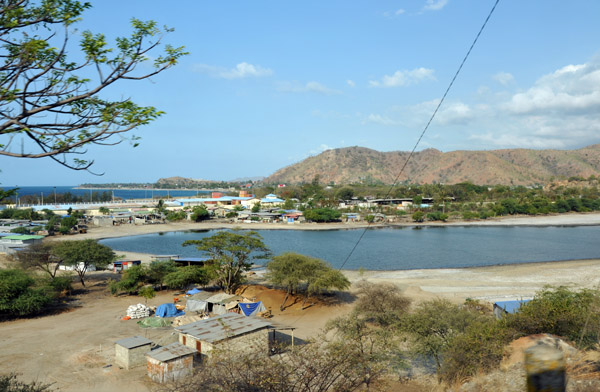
{"x": 126, "y": 230}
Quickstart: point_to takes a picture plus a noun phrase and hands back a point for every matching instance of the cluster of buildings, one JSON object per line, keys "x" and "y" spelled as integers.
{"x": 229, "y": 333}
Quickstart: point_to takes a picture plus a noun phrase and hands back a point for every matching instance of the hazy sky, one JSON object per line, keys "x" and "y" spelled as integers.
{"x": 269, "y": 83}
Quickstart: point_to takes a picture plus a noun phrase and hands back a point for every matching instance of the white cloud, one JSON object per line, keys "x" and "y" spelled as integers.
{"x": 503, "y": 78}
{"x": 350, "y": 83}
{"x": 240, "y": 71}
{"x": 309, "y": 87}
{"x": 394, "y": 14}
{"x": 571, "y": 89}
{"x": 381, "y": 120}
{"x": 434, "y": 5}
{"x": 403, "y": 78}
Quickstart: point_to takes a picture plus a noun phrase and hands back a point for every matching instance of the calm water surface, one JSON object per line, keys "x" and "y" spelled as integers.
{"x": 403, "y": 248}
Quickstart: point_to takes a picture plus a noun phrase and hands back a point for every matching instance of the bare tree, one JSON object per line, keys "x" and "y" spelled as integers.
{"x": 37, "y": 257}
{"x": 50, "y": 105}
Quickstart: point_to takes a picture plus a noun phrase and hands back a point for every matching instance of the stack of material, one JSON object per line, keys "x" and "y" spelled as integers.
{"x": 138, "y": 311}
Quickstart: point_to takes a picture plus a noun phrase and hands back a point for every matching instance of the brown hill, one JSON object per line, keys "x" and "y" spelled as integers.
{"x": 511, "y": 166}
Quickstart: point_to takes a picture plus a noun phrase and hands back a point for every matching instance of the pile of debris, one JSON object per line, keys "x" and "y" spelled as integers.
{"x": 138, "y": 311}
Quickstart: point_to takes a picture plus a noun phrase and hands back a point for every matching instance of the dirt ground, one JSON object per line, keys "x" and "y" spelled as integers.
{"x": 74, "y": 348}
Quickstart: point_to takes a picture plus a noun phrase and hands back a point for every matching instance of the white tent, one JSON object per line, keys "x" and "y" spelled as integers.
{"x": 193, "y": 305}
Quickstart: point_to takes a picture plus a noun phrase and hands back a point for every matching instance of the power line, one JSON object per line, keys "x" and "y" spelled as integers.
{"x": 426, "y": 127}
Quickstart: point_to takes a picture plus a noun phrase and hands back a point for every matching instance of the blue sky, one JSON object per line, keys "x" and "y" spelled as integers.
{"x": 268, "y": 84}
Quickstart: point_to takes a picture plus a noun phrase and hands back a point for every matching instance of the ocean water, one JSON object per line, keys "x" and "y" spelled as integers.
{"x": 403, "y": 248}
{"x": 48, "y": 192}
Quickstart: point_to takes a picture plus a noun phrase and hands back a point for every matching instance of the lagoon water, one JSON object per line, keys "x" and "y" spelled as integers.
{"x": 403, "y": 248}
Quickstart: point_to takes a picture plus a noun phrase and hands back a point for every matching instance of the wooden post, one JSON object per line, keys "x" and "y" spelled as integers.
{"x": 545, "y": 367}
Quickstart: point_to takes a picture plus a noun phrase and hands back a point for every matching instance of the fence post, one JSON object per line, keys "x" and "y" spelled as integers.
{"x": 545, "y": 367}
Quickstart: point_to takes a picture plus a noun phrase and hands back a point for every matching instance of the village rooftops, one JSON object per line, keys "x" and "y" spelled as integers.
{"x": 221, "y": 327}
{"x": 171, "y": 351}
{"x": 133, "y": 342}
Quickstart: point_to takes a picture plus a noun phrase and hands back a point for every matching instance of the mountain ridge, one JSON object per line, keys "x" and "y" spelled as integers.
{"x": 483, "y": 167}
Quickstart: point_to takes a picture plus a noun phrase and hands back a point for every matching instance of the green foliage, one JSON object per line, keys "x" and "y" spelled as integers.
{"x": 436, "y": 216}
{"x": 61, "y": 284}
{"x": 20, "y": 230}
{"x": 434, "y": 324}
{"x": 185, "y": 276}
{"x": 67, "y": 224}
{"x": 147, "y": 292}
{"x": 231, "y": 254}
{"x": 61, "y": 109}
{"x": 157, "y": 271}
{"x": 18, "y": 296}
{"x": 200, "y": 213}
{"x": 82, "y": 254}
{"x": 370, "y": 218}
{"x": 104, "y": 210}
{"x": 345, "y": 193}
{"x": 132, "y": 280}
{"x": 563, "y": 312}
{"x": 296, "y": 272}
{"x": 231, "y": 214}
{"x": 256, "y": 207}
{"x": 418, "y": 216}
{"x": 288, "y": 204}
{"x": 174, "y": 216}
{"x": 480, "y": 348}
{"x": 10, "y": 383}
{"x": 324, "y": 214}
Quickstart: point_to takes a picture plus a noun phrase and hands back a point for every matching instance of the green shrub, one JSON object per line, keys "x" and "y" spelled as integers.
{"x": 184, "y": 276}
{"x": 437, "y": 216}
{"x": 479, "y": 348}
{"x": 418, "y": 216}
{"x": 563, "y": 312}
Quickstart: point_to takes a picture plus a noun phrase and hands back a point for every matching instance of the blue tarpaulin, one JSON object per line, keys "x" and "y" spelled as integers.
{"x": 193, "y": 291}
{"x": 168, "y": 310}
{"x": 251, "y": 308}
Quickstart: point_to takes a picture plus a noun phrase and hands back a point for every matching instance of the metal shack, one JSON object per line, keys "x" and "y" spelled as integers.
{"x": 131, "y": 352}
{"x": 170, "y": 363}
{"x": 229, "y": 331}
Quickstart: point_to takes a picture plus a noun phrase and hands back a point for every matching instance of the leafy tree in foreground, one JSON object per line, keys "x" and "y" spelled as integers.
{"x": 231, "y": 254}
{"x": 10, "y": 383}
{"x": 82, "y": 254}
{"x": 43, "y": 96}
{"x": 18, "y": 294}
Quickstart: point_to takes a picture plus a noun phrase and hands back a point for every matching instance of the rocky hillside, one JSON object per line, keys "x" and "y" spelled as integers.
{"x": 511, "y": 166}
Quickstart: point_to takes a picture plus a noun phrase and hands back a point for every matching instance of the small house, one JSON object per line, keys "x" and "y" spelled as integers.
{"x": 170, "y": 363}
{"x": 131, "y": 352}
{"x": 502, "y": 308}
{"x": 229, "y": 331}
{"x": 122, "y": 265}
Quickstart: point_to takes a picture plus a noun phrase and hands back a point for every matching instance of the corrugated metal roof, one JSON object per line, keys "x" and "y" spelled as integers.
{"x": 171, "y": 351}
{"x": 23, "y": 237}
{"x": 511, "y": 306}
{"x": 222, "y": 327}
{"x": 133, "y": 342}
